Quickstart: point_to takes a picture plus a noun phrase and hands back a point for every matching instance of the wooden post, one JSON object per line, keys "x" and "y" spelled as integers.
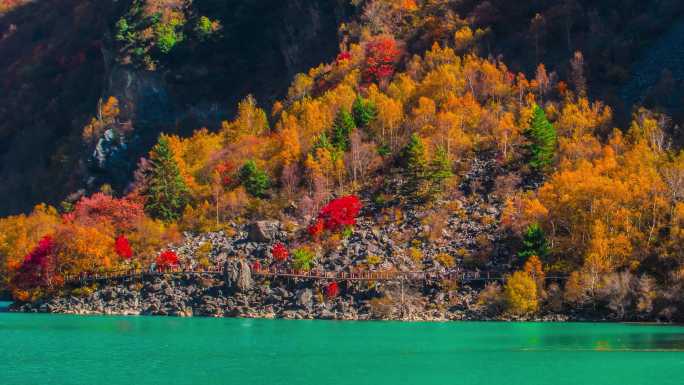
{"x": 402, "y": 295}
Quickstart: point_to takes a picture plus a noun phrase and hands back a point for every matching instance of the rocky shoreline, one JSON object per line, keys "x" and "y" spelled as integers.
{"x": 206, "y": 296}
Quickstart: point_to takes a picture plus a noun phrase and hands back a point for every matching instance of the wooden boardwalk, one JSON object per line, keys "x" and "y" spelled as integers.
{"x": 272, "y": 272}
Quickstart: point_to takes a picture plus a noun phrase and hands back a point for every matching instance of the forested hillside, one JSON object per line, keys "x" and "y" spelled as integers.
{"x": 413, "y": 148}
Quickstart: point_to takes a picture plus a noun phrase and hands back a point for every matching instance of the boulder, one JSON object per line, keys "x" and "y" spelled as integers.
{"x": 238, "y": 275}
{"x": 326, "y": 314}
{"x": 305, "y": 298}
{"x": 263, "y": 231}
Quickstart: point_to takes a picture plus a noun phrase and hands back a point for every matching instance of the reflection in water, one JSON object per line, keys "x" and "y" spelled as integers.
{"x": 602, "y": 346}
{"x": 609, "y": 337}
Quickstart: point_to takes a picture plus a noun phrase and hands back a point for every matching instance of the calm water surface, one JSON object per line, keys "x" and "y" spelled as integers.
{"x": 61, "y": 349}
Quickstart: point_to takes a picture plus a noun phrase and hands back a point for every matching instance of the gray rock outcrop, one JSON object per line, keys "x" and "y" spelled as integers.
{"x": 238, "y": 275}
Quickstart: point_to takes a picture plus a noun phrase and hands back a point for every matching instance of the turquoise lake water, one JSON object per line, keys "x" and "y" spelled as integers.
{"x": 61, "y": 349}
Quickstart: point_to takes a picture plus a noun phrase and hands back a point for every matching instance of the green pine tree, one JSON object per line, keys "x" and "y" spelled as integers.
{"x": 165, "y": 193}
{"x": 255, "y": 180}
{"x": 543, "y": 139}
{"x": 322, "y": 141}
{"x": 416, "y": 164}
{"x": 342, "y": 127}
{"x": 440, "y": 169}
{"x": 534, "y": 243}
{"x": 364, "y": 111}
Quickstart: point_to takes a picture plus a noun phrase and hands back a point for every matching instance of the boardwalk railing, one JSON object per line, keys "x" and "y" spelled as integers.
{"x": 274, "y": 272}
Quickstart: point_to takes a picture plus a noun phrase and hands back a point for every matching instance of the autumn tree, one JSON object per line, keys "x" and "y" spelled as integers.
{"x": 382, "y": 54}
{"x": 166, "y": 193}
{"x": 100, "y": 208}
{"x": 250, "y": 120}
{"x": 520, "y": 293}
{"x": 38, "y": 266}
{"x": 108, "y": 113}
{"x": 533, "y": 267}
{"x": 363, "y": 157}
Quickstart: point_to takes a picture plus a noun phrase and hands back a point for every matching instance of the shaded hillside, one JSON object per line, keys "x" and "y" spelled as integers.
{"x": 658, "y": 75}
{"x": 56, "y": 66}
{"x": 52, "y": 75}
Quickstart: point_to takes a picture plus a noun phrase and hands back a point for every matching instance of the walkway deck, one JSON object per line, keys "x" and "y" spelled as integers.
{"x": 407, "y": 276}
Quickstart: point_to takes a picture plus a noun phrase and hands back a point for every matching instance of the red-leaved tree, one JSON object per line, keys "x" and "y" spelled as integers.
{"x": 340, "y": 213}
{"x": 121, "y": 213}
{"x": 279, "y": 252}
{"x": 123, "y": 248}
{"x": 167, "y": 259}
{"x": 343, "y": 56}
{"x": 38, "y": 268}
{"x": 382, "y": 55}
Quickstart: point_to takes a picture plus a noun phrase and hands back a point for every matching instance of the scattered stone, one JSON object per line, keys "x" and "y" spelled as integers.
{"x": 263, "y": 231}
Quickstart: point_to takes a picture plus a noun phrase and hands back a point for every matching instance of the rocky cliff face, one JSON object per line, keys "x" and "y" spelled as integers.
{"x": 57, "y": 62}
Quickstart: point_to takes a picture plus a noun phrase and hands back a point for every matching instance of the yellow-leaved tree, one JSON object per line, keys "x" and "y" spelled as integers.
{"x": 520, "y": 293}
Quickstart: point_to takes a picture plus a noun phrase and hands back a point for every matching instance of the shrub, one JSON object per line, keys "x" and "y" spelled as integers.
{"x": 206, "y": 27}
{"x": 167, "y": 259}
{"x": 204, "y": 253}
{"x": 167, "y": 37}
{"x": 373, "y": 260}
{"x": 436, "y": 222}
{"x": 491, "y": 299}
{"x": 445, "y": 260}
{"x": 416, "y": 255}
{"x": 382, "y": 307}
{"x": 316, "y": 229}
{"x": 279, "y": 252}
{"x": 332, "y": 290}
{"x": 302, "y": 259}
{"x": 577, "y": 289}
{"x": 256, "y": 266}
{"x": 84, "y": 291}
